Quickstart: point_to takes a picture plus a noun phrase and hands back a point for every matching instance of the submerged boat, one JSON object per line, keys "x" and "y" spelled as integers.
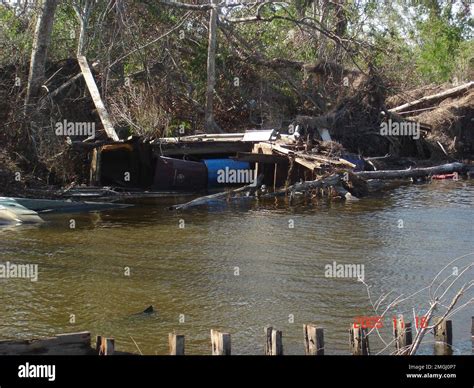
{"x": 28, "y": 210}
{"x": 12, "y": 212}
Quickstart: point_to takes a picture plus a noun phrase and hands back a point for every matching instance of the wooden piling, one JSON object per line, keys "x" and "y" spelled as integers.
{"x": 275, "y": 176}
{"x": 359, "y": 341}
{"x": 273, "y": 342}
{"x": 220, "y": 343}
{"x": 443, "y": 333}
{"x": 98, "y": 342}
{"x": 472, "y": 334}
{"x": 313, "y": 340}
{"x": 105, "y": 346}
{"x": 176, "y": 344}
{"x": 403, "y": 335}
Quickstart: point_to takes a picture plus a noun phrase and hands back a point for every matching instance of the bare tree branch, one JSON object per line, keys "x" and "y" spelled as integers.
{"x": 178, "y": 25}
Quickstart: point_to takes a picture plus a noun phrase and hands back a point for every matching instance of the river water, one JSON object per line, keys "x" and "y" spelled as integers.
{"x": 238, "y": 267}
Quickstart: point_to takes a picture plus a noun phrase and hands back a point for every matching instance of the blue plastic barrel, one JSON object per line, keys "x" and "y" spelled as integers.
{"x": 228, "y": 172}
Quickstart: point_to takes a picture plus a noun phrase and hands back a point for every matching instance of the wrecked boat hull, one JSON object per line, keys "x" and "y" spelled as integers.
{"x": 55, "y": 206}
{"x": 27, "y": 210}
{"x": 14, "y": 213}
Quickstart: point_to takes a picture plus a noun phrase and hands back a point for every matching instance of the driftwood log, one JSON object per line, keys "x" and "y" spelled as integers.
{"x": 413, "y": 173}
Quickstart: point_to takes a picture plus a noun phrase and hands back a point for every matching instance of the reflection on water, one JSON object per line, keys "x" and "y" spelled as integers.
{"x": 237, "y": 267}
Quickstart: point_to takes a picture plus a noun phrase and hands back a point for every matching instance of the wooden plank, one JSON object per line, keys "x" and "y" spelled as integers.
{"x": 273, "y": 342}
{"x": 402, "y": 334}
{"x": 313, "y": 340}
{"x": 49, "y": 350}
{"x": 176, "y": 344}
{"x": 74, "y": 338}
{"x": 205, "y": 137}
{"x": 262, "y": 148}
{"x": 309, "y": 164}
{"x": 303, "y": 161}
{"x": 259, "y": 135}
{"x": 63, "y": 344}
{"x": 340, "y": 162}
{"x": 302, "y": 158}
{"x": 95, "y": 95}
{"x": 220, "y": 343}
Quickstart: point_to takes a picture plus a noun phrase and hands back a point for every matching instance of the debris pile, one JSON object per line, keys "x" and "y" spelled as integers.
{"x": 447, "y": 112}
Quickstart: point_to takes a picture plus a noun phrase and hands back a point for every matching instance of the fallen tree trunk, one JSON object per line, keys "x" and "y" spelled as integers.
{"x": 412, "y": 173}
{"x": 434, "y": 97}
{"x": 376, "y": 185}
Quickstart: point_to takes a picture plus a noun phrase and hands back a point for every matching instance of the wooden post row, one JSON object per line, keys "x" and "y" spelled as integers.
{"x": 313, "y": 340}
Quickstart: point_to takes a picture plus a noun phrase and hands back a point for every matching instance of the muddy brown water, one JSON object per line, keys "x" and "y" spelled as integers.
{"x": 236, "y": 267}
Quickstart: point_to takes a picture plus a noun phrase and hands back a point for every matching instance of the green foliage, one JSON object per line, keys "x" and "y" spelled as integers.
{"x": 410, "y": 42}
{"x": 65, "y": 33}
{"x": 15, "y": 36}
{"x": 441, "y": 40}
{"x": 464, "y": 63}
{"x": 438, "y": 50}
